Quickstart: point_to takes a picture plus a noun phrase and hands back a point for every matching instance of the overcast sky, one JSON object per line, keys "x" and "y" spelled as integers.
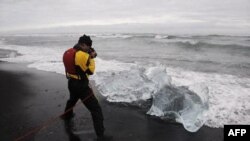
{"x": 186, "y": 15}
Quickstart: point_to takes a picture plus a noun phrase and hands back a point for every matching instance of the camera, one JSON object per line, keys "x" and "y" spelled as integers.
{"x": 92, "y": 52}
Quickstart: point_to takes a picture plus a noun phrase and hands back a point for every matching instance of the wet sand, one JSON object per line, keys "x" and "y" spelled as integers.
{"x": 31, "y": 97}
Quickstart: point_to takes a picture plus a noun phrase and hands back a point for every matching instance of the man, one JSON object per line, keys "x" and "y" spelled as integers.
{"x": 78, "y": 83}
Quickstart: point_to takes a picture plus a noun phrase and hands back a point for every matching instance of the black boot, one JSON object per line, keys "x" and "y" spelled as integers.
{"x": 105, "y": 138}
{"x": 67, "y": 116}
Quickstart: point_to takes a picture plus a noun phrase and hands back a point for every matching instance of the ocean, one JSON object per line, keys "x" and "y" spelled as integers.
{"x": 198, "y": 79}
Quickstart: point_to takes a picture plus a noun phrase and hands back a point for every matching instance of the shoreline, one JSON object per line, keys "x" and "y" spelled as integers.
{"x": 31, "y": 97}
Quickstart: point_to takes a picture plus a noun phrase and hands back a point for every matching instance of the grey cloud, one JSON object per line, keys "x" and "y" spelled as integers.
{"x": 16, "y": 14}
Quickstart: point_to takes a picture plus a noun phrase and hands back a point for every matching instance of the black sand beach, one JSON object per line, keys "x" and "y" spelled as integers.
{"x": 30, "y": 97}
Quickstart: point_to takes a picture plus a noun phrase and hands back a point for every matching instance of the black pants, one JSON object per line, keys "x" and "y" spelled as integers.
{"x": 78, "y": 91}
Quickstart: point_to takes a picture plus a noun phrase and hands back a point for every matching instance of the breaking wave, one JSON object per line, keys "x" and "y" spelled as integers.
{"x": 198, "y": 44}
{"x": 123, "y": 36}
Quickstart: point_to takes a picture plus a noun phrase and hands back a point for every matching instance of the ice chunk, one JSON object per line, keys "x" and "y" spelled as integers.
{"x": 159, "y": 76}
{"x": 125, "y": 86}
{"x": 185, "y": 105}
{"x": 136, "y": 84}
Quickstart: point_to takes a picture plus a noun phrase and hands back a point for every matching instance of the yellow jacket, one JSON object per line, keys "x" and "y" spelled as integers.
{"x": 84, "y": 61}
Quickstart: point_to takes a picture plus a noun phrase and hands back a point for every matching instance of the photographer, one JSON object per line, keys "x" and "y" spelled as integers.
{"x": 79, "y": 64}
